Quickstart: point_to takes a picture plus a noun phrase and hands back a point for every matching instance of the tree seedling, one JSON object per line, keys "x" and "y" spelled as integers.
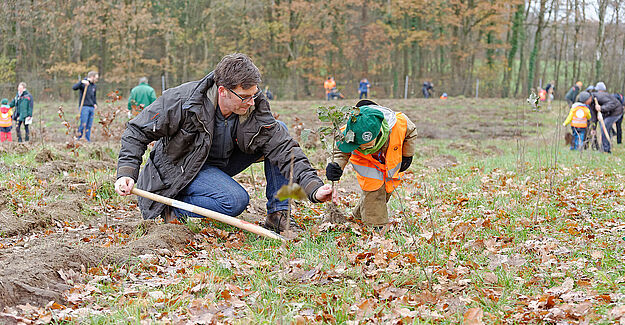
{"x": 330, "y": 135}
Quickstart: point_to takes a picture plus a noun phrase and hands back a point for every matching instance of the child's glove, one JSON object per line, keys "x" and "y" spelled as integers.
{"x": 333, "y": 171}
{"x": 405, "y": 163}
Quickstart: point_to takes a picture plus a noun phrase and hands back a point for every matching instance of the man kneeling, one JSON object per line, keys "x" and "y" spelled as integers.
{"x": 206, "y": 132}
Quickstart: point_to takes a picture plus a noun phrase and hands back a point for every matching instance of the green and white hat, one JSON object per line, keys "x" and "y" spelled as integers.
{"x": 363, "y": 126}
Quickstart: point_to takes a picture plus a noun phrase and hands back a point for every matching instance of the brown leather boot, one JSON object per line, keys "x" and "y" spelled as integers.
{"x": 279, "y": 221}
{"x": 168, "y": 216}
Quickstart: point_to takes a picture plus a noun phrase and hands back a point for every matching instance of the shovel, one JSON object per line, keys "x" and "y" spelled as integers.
{"x": 241, "y": 224}
{"x": 600, "y": 118}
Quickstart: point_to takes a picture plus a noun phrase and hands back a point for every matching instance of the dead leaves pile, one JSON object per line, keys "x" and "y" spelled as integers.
{"x": 514, "y": 249}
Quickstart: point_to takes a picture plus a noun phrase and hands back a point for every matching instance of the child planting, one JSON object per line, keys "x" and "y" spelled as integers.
{"x": 578, "y": 117}
{"x": 379, "y": 143}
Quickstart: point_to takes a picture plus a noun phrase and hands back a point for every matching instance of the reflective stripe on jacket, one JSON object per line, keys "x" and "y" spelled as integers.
{"x": 5, "y": 116}
{"x": 579, "y": 118}
{"x": 371, "y": 173}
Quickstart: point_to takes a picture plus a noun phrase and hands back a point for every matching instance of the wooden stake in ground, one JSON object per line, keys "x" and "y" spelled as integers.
{"x": 241, "y": 224}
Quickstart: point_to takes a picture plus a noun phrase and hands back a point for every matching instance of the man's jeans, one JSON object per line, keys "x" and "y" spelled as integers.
{"x": 86, "y": 121}
{"x": 214, "y": 188}
{"x": 608, "y": 125}
{"x": 578, "y": 138}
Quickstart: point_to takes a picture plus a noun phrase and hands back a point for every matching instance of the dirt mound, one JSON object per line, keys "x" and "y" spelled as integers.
{"x": 52, "y": 168}
{"x": 155, "y": 237}
{"x": 441, "y": 161}
{"x": 102, "y": 153}
{"x": 334, "y": 215}
{"x": 30, "y": 273}
{"x": 16, "y": 147}
{"x": 45, "y": 155}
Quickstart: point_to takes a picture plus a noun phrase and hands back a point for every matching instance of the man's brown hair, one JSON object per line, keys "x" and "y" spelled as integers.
{"x": 237, "y": 69}
{"x": 92, "y": 74}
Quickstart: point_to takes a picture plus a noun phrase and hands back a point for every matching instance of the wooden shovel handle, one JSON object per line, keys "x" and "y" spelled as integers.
{"x": 241, "y": 224}
{"x": 600, "y": 118}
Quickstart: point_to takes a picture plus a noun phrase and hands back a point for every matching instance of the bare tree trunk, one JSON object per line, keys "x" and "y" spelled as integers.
{"x": 599, "y": 45}
{"x": 534, "y": 60}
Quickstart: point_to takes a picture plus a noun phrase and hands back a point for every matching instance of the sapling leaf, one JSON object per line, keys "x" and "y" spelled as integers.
{"x": 291, "y": 191}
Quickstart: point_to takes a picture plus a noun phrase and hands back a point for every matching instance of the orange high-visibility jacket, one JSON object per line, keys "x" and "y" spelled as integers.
{"x": 579, "y": 117}
{"x": 5, "y": 116}
{"x": 328, "y": 85}
{"x": 371, "y": 173}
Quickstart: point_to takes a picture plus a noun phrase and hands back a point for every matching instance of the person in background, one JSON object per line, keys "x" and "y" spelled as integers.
{"x": 610, "y": 108}
{"x": 550, "y": 88}
{"x": 89, "y": 105}
{"x": 379, "y": 143}
{"x": 619, "y": 122}
{"x": 206, "y": 132}
{"x": 542, "y": 94}
{"x": 268, "y": 93}
{"x": 427, "y": 89}
{"x": 6, "y": 121}
{"x": 363, "y": 88}
{"x": 571, "y": 95}
{"x": 444, "y": 96}
{"x": 329, "y": 85}
{"x": 141, "y": 96}
{"x": 23, "y": 113}
{"x": 578, "y": 118}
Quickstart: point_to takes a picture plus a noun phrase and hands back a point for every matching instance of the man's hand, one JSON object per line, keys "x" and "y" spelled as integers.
{"x": 598, "y": 107}
{"x": 324, "y": 193}
{"x": 333, "y": 171}
{"x": 85, "y": 82}
{"x": 405, "y": 163}
{"x": 124, "y": 185}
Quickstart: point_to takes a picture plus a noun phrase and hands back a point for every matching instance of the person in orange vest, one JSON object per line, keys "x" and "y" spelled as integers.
{"x": 542, "y": 94}
{"x": 6, "y": 122}
{"x": 444, "y": 96}
{"x": 578, "y": 117}
{"x": 379, "y": 143}
{"x": 328, "y": 85}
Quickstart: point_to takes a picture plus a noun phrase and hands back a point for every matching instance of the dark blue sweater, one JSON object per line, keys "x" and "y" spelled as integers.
{"x": 89, "y": 97}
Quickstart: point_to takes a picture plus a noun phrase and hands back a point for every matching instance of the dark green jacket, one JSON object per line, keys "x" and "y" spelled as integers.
{"x": 24, "y": 106}
{"x": 571, "y": 95}
{"x": 142, "y": 94}
{"x": 181, "y": 122}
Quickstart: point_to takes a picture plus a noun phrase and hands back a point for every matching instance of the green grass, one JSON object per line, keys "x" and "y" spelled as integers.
{"x": 507, "y": 226}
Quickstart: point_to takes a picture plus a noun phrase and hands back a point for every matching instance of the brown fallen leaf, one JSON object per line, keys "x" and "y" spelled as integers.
{"x": 473, "y": 316}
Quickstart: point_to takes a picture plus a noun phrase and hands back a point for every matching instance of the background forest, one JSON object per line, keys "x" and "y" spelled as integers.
{"x": 510, "y": 46}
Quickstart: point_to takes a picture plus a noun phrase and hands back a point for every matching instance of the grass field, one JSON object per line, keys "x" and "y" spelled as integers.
{"x": 496, "y": 222}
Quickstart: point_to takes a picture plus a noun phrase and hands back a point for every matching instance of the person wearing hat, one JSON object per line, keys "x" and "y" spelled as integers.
{"x": 571, "y": 95}
{"x": 379, "y": 143}
{"x": 6, "y": 122}
{"x": 610, "y": 108}
{"x": 578, "y": 117}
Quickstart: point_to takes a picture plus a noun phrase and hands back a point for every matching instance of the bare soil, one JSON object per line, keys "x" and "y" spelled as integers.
{"x": 66, "y": 228}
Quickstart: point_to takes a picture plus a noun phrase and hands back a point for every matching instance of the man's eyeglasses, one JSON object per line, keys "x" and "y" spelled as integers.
{"x": 246, "y": 98}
